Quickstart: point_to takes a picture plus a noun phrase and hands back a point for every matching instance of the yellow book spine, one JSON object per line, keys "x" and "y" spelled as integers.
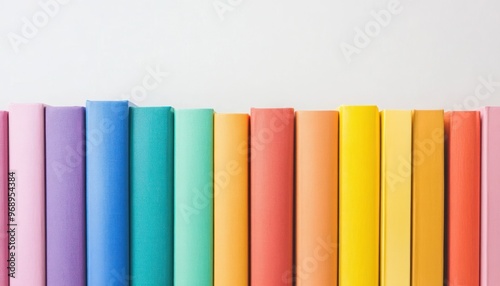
{"x": 359, "y": 196}
{"x": 231, "y": 199}
{"x": 395, "y": 212}
{"x": 428, "y": 198}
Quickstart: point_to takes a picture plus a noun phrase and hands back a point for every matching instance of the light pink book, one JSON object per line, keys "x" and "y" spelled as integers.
{"x": 4, "y": 188}
{"x": 27, "y": 162}
{"x": 490, "y": 197}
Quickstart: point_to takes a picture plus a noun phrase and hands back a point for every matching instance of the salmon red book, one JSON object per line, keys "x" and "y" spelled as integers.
{"x": 490, "y": 196}
{"x": 359, "y": 195}
{"x": 395, "y": 220}
{"x": 463, "y": 149}
{"x": 231, "y": 199}
{"x": 271, "y": 196}
{"x": 27, "y": 166}
{"x": 428, "y": 198}
{"x": 316, "y": 197}
{"x": 4, "y": 190}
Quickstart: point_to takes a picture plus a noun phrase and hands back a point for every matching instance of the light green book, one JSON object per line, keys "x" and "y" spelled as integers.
{"x": 193, "y": 241}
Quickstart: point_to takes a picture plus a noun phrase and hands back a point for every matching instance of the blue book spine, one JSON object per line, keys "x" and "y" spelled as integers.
{"x": 107, "y": 146}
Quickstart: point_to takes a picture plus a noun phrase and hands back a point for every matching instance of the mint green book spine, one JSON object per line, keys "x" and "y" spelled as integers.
{"x": 193, "y": 242}
{"x": 152, "y": 195}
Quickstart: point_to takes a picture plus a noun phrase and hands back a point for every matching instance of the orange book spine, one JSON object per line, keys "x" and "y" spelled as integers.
{"x": 428, "y": 178}
{"x": 230, "y": 199}
{"x": 463, "y": 148}
{"x": 271, "y": 198}
{"x": 316, "y": 197}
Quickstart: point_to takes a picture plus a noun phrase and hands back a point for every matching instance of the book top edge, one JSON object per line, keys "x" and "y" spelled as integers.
{"x": 231, "y": 114}
{"x": 107, "y": 101}
{"x": 16, "y": 105}
{"x": 65, "y": 107}
{"x": 428, "y": 110}
{"x": 272, "y": 109}
{"x": 396, "y": 110}
{"x": 315, "y": 111}
{"x": 490, "y": 108}
{"x": 152, "y": 107}
{"x": 468, "y": 112}
{"x": 195, "y": 110}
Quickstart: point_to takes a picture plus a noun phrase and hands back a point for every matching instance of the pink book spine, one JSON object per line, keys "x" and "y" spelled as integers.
{"x": 4, "y": 189}
{"x": 490, "y": 197}
{"x": 27, "y": 222}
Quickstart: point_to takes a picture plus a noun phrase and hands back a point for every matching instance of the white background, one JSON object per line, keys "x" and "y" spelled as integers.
{"x": 261, "y": 53}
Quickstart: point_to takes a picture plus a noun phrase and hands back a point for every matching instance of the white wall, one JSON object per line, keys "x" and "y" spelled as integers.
{"x": 431, "y": 54}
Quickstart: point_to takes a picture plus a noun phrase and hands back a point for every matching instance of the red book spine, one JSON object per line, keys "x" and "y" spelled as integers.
{"x": 271, "y": 199}
{"x": 463, "y": 145}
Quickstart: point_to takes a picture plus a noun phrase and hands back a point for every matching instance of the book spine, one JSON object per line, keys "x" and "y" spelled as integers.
{"x": 490, "y": 197}
{"x": 359, "y": 195}
{"x": 193, "y": 165}
{"x": 27, "y": 166}
{"x": 65, "y": 195}
{"x": 271, "y": 196}
{"x": 107, "y": 149}
{"x": 4, "y": 198}
{"x": 428, "y": 198}
{"x": 463, "y": 148}
{"x": 316, "y": 197}
{"x": 231, "y": 199}
{"x": 395, "y": 205}
{"x": 152, "y": 195}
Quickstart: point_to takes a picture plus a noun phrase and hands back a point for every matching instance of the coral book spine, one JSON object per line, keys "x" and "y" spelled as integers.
{"x": 271, "y": 196}
{"x": 463, "y": 149}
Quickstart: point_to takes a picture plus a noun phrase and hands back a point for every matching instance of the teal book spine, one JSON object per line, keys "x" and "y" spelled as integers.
{"x": 152, "y": 195}
{"x": 193, "y": 165}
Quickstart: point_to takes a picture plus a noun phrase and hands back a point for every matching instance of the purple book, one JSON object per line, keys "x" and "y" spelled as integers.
{"x": 65, "y": 198}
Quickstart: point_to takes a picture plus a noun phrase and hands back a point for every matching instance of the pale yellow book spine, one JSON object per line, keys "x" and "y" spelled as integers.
{"x": 428, "y": 198}
{"x": 359, "y": 209}
{"x": 231, "y": 199}
{"x": 395, "y": 220}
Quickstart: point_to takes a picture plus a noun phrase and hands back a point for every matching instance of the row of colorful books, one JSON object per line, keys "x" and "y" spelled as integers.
{"x": 113, "y": 194}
